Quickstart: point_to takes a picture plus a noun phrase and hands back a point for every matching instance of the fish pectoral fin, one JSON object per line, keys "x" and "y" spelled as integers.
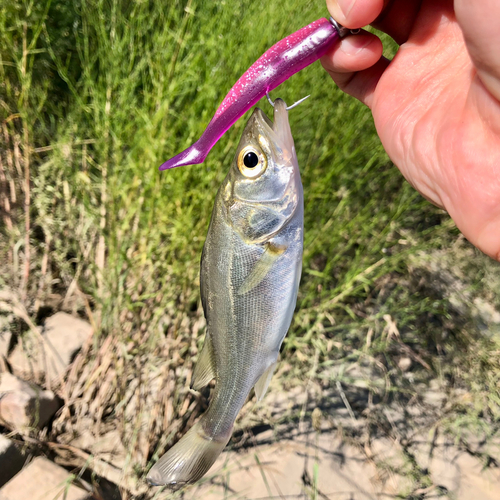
{"x": 204, "y": 371}
{"x": 272, "y": 253}
{"x": 263, "y": 382}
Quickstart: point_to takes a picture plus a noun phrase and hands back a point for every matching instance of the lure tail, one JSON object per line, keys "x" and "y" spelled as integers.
{"x": 188, "y": 460}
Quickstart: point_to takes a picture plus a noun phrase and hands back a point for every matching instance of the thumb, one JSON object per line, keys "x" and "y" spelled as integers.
{"x": 479, "y": 23}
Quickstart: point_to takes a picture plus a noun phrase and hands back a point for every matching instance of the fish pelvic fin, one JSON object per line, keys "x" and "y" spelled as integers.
{"x": 188, "y": 460}
{"x": 204, "y": 371}
{"x": 262, "y": 384}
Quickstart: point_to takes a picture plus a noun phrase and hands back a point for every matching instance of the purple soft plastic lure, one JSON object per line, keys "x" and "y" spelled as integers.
{"x": 280, "y": 62}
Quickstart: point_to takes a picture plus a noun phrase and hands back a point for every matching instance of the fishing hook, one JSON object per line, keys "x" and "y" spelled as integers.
{"x": 288, "y": 107}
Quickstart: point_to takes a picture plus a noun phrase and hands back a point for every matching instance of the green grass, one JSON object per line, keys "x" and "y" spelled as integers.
{"x": 95, "y": 95}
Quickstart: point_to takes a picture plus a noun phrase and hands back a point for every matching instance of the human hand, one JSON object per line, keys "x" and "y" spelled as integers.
{"x": 436, "y": 105}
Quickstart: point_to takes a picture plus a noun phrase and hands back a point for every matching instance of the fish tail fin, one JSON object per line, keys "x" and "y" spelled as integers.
{"x": 188, "y": 460}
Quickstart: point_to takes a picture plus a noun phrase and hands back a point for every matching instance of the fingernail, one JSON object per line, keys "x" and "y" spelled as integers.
{"x": 346, "y": 6}
{"x": 353, "y": 45}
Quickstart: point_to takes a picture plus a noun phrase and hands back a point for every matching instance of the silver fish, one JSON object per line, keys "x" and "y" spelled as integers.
{"x": 250, "y": 273}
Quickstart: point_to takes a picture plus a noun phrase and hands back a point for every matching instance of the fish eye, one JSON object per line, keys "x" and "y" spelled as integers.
{"x": 251, "y": 162}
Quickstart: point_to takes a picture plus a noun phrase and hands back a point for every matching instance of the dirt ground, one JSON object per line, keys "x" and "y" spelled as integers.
{"x": 334, "y": 452}
{"x": 321, "y": 465}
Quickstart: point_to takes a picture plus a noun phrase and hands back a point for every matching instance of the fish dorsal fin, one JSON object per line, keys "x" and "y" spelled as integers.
{"x": 263, "y": 382}
{"x": 272, "y": 253}
{"x": 204, "y": 370}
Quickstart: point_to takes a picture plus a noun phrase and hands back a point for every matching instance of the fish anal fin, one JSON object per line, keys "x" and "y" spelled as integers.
{"x": 272, "y": 253}
{"x": 204, "y": 371}
{"x": 263, "y": 382}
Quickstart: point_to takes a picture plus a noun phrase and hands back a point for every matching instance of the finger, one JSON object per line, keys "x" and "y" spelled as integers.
{"x": 357, "y": 77}
{"x": 354, "y": 53}
{"x": 398, "y": 18}
{"x": 394, "y": 17}
{"x": 479, "y": 23}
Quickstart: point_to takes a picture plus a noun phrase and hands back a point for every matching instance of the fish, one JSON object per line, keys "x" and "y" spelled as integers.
{"x": 290, "y": 55}
{"x": 250, "y": 271}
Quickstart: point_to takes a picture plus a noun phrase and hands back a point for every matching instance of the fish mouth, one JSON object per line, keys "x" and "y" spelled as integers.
{"x": 273, "y": 139}
{"x": 278, "y": 132}
{"x": 280, "y": 116}
{"x": 281, "y": 126}
{"x": 262, "y": 118}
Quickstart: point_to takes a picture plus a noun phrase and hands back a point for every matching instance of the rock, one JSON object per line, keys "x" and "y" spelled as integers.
{"x": 108, "y": 454}
{"x": 486, "y": 311}
{"x": 11, "y": 460}
{"x": 4, "y": 343}
{"x": 42, "y": 480}
{"x": 47, "y": 358}
{"x": 435, "y": 395}
{"x": 404, "y": 363}
{"x": 24, "y": 405}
